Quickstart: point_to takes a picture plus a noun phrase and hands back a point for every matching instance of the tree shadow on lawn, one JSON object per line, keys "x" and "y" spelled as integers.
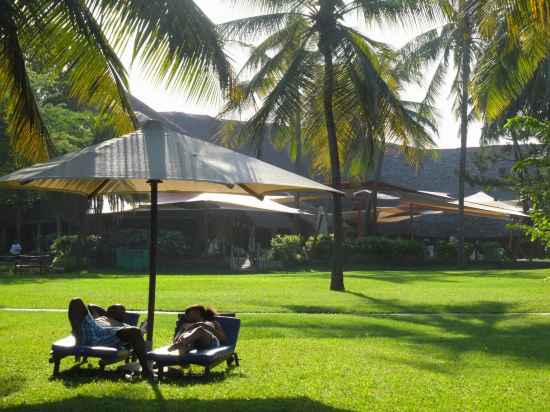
{"x": 110, "y": 403}
{"x": 457, "y": 329}
{"x": 444, "y": 276}
{"x": 79, "y": 375}
{"x": 11, "y": 384}
{"x": 12, "y": 279}
{"x": 44, "y": 278}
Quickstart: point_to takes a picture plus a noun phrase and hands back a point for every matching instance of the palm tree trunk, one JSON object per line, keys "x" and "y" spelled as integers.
{"x": 373, "y": 210}
{"x": 464, "y": 99}
{"x": 299, "y": 151}
{"x": 337, "y": 275}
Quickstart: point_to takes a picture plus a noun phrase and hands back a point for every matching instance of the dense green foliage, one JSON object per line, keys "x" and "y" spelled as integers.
{"x": 532, "y": 176}
{"x": 293, "y": 249}
{"x": 288, "y": 249}
{"x": 170, "y": 242}
{"x": 175, "y": 41}
{"x": 77, "y": 252}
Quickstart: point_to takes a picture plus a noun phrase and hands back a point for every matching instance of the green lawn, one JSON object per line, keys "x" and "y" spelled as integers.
{"x": 381, "y": 291}
{"x": 337, "y": 359}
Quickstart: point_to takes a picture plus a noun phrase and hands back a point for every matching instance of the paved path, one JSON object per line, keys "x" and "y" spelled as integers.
{"x": 373, "y": 314}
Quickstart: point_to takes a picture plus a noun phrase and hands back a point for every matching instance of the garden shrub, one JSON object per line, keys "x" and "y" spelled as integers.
{"x": 366, "y": 250}
{"x": 319, "y": 248}
{"x": 75, "y": 252}
{"x": 493, "y": 251}
{"x": 288, "y": 249}
{"x": 173, "y": 243}
{"x": 170, "y": 242}
{"x": 447, "y": 251}
{"x": 383, "y": 250}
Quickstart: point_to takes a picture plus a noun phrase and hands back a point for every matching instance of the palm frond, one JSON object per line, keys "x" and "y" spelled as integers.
{"x": 177, "y": 43}
{"x": 73, "y": 42}
{"x": 29, "y": 136}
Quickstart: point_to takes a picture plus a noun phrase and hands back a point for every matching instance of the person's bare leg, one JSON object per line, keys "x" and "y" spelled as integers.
{"x": 134, "y": 338}
{"x": 77, "y": 312}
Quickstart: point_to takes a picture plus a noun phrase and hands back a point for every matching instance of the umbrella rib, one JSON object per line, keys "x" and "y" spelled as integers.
{"x": 251, "y": 192}
{"x": 98, "y": 188}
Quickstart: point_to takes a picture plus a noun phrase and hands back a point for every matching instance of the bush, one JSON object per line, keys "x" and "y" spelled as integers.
{"x": 447, "y": 251}
{"x": 75, "y": 252}
{"x": 173, "y": 243}
{"x": 170, "y": 242}
{"x": 493, "y": 251}
{"x": 288, "y": 249}
{"x": 319, "y": 248}
{"x": 130, "y": 239}
{"x": 384, "y": 250}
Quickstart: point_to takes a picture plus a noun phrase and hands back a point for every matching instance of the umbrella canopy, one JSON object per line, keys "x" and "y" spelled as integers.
{"x": 155, "y": 159}
{"x": 182, "y": 163}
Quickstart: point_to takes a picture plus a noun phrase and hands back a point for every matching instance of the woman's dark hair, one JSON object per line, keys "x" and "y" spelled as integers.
{"x": 117, "y": 312}
{"x": 210, "y": 313}
{"x": 199, "y": 308}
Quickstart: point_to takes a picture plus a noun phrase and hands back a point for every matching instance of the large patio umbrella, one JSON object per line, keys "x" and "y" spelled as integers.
{"x": 155, "y": 159}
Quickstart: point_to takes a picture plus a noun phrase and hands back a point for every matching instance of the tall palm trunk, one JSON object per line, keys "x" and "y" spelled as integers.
{"x": 337, "y": 275}
{"x": 327, "y": 25}
{"x": 372, "y": 216}
{"x": 465, "y": 97}
{"x": 299, "y": 151}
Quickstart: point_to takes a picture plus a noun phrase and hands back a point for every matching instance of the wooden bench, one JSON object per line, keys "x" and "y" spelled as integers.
{"x": 33, "y": 264}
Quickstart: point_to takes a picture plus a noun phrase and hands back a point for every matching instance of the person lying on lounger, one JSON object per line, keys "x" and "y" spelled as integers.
{"x": 107, "y": 330}
{"x": 113, "y": 316}
{"x": 199, "y": 330}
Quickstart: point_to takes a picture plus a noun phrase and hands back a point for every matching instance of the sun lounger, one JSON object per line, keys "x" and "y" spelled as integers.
{"x": 108, "y": 355}
{"x": 208, "y": 358}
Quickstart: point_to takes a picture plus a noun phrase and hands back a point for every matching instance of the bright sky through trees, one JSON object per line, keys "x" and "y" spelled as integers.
{"x": 219, "y": 11}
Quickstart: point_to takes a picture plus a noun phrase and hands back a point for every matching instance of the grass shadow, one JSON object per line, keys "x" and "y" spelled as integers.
{"x": 110, "y": 403}
{"x": 82, "y": 374}
{"x": 486, "y": 327}
{"x": 10, "y": 384}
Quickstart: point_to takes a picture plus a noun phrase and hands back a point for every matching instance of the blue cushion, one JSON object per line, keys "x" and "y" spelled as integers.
{"x": 67, "y": 347}
{"x": 202, "y": 357}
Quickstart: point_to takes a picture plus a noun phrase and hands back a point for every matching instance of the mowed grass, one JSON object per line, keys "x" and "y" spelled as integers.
{"x": 303, "y": 348}
{"x": 313, "y": 362}
{"x": 369, "y": 291}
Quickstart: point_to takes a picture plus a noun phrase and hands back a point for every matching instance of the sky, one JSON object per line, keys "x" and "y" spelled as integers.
{"x": 161, "y": 99}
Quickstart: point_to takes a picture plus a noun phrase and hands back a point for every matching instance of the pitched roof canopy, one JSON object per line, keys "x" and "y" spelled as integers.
{"x": 180, "y": 162}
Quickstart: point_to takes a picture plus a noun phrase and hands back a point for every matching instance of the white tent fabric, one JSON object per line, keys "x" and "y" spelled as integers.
{"x": 181, "y": 163}
{"x": 221, "y": 200}
{"x": 238, "y": 201}
{"x": 380, "y": 196}
{"x": 479, "y": 204}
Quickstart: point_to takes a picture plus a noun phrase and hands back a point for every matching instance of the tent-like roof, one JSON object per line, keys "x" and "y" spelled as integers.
{"x": 412, "y": 201}
{"x": 216, "y": 200}
{"x": 182, "y": 163}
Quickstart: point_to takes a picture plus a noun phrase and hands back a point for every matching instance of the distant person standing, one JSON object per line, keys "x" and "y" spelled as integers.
{"x": 16, "y": 248}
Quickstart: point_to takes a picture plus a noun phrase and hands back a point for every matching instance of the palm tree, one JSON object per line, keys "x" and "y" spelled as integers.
{"x": 312, "y": 63}
{"x": 513, "y": 74}
{"x": 175, "y": 41}
{"x": 456, "y": 43}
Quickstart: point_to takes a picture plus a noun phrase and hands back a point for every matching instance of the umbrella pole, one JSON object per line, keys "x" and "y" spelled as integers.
{"x": 152, "y": 261}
